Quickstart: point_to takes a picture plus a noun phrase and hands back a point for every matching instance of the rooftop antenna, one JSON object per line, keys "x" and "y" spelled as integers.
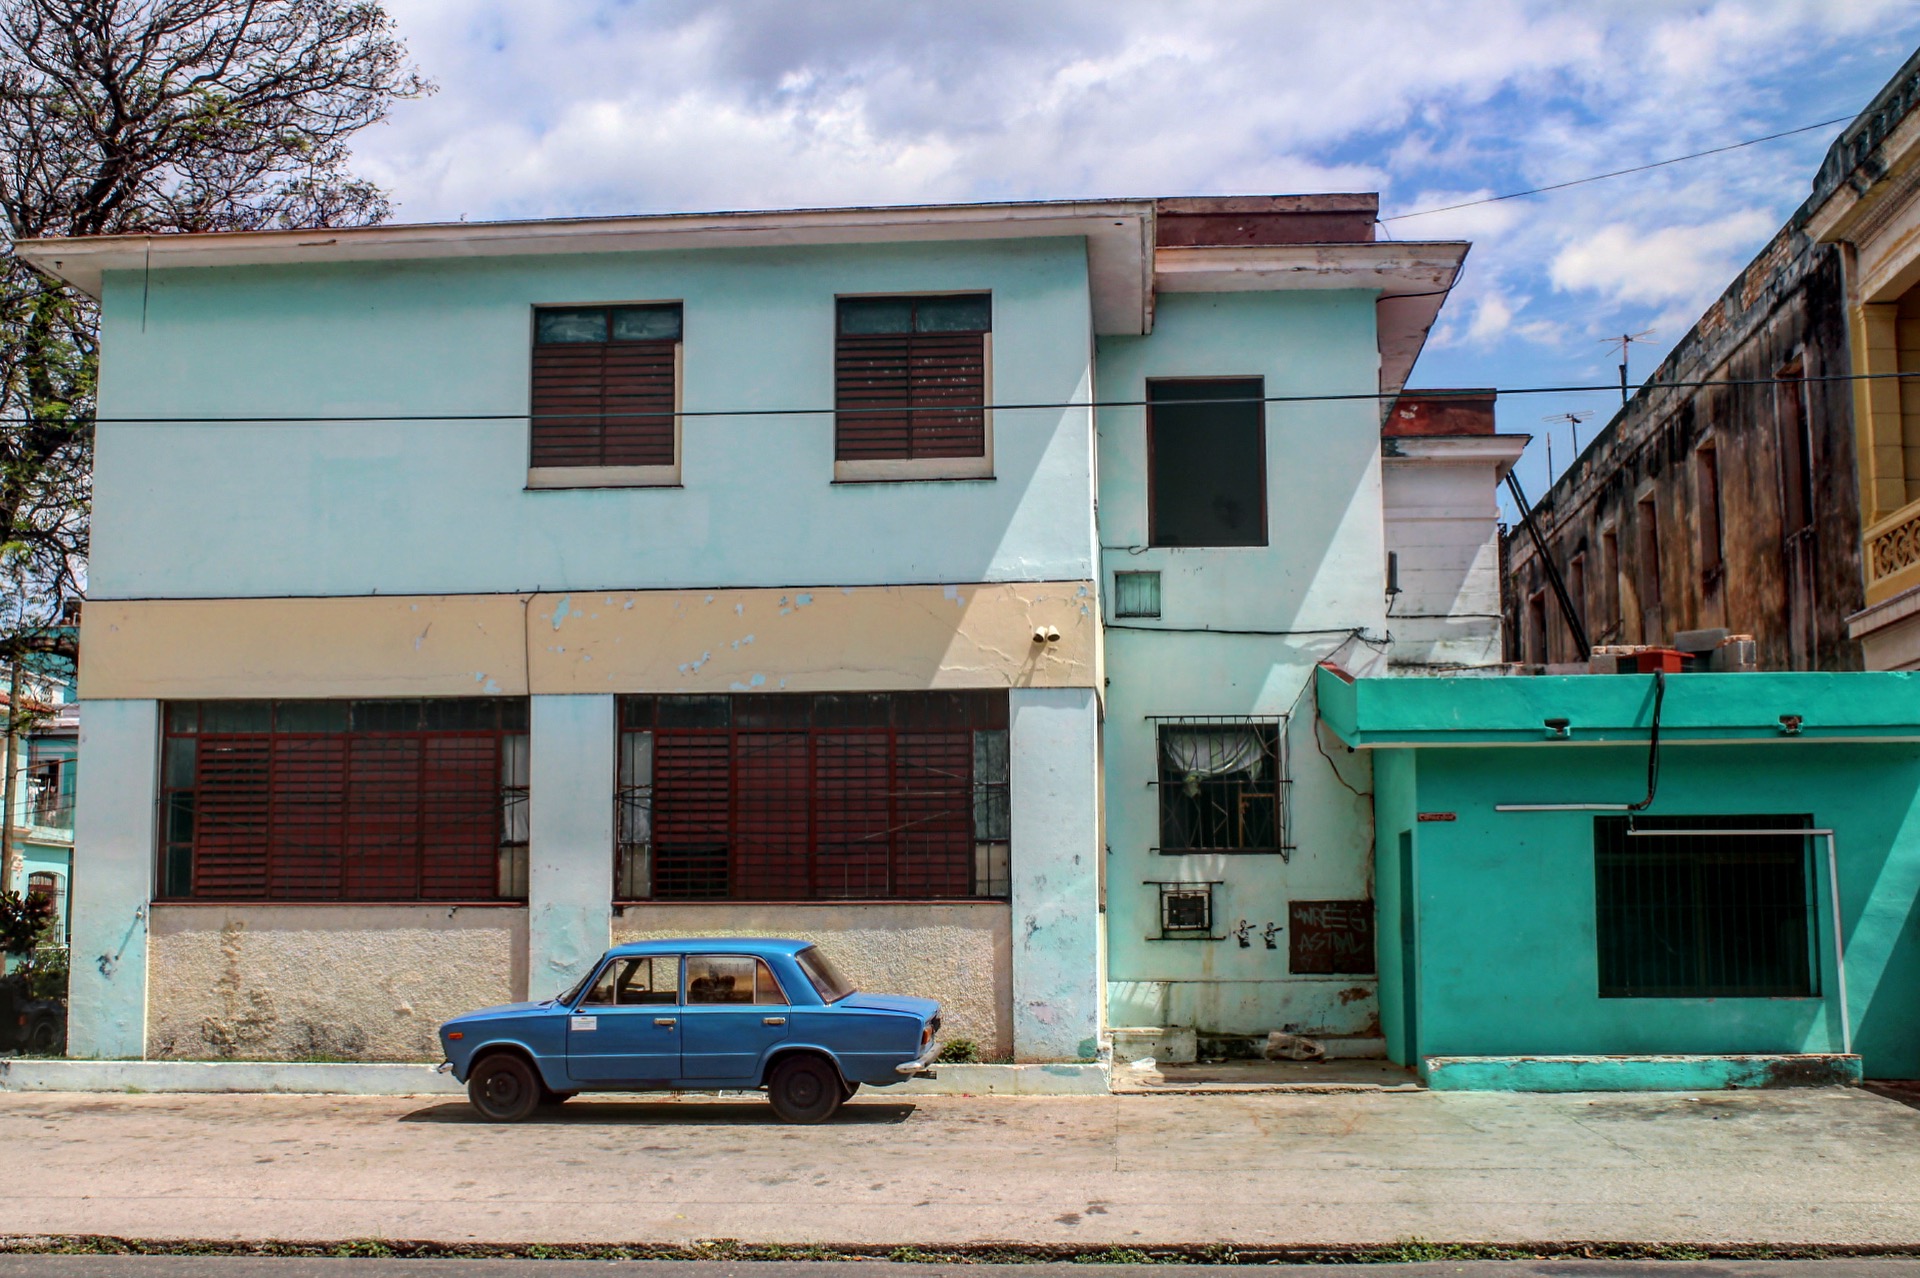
{"x": 1573, "y": 421}
{"x": 1625, "y": 342}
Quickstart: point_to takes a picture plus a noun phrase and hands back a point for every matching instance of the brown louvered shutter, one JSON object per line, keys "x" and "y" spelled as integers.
{"x": 603, "y": 404}
{"x": 911, "y": 395}
{"x": 233, "y": 796}
{"x": 693, "y": 790}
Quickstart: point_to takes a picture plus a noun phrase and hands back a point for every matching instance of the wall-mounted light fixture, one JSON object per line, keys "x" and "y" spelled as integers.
{"x": 1559, "y": 729}
{"x": 1790, "y": 725}
{"x": 1046, "y": 634}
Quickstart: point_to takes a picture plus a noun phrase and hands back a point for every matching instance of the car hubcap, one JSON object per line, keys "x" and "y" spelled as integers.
{"x": 806, "y": 1090}
{"x": 503, "y": 1091}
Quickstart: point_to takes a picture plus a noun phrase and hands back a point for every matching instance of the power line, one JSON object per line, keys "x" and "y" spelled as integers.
{"x": 1638, "y": 168}
{"x": 24, "y": 423}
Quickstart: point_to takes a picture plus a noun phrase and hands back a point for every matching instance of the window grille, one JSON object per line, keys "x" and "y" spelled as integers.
{"x": 1222, "y": 782}
{"x": 834, "y": 796}
{"x": 344, "y": 800}
{"x": 911, "y": 377}
{"x": 1704, "y": 917}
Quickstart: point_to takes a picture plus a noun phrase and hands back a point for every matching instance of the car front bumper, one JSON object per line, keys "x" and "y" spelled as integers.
{"x": 918, "y": 1065}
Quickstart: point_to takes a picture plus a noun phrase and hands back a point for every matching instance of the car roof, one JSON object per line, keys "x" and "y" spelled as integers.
{"x": 757, "y": 945}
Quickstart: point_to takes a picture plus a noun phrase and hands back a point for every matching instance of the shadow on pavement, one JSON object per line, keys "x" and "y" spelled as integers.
{"x": 660, "y": 1114}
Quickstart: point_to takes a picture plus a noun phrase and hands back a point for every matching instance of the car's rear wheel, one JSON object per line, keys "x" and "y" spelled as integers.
{"x": 503, "y": 1088}
{"x": 44, "y": 1038}
{"x": 805, "y": 1089}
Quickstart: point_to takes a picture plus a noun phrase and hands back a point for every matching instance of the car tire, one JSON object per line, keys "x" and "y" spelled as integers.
{"x": 43, "y": 1038}
{"x": 503, "y": 1088}
{"x": 805, "y": 1089}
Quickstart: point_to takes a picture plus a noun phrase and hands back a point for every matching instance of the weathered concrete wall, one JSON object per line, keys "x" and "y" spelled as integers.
{"x": 1791, "y": 590}
{"x": 825, "y": 639}
{"x": 960, "y": 954}
{"x": 346, "y": 508}
{"x": 299, "y": 982}
{"x": 1442, "y": 522}
{"x": 1636, "y": 1073}
{"x": 572, "y": 750}
{"x": 1301, "y": 597}
{"x": 114, "y": 813}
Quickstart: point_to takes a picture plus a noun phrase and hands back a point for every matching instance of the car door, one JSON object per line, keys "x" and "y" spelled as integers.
{"x": 626, "y": 1029}
{"x": 734, "y": 1012}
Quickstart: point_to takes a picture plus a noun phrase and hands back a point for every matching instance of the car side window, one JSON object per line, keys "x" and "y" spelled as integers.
{"x": 652, "y": 980}
{"x": 729, "y": 978}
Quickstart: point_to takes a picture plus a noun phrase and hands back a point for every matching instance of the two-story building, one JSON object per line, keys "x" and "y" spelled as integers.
{"x": 544, "y": 584}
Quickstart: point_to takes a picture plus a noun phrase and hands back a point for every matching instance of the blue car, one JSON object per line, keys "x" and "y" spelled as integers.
{"x": 695, "y": 1015}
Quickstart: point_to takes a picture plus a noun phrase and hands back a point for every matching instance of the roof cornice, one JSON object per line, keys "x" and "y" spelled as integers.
{"x": 1119, "y": 235}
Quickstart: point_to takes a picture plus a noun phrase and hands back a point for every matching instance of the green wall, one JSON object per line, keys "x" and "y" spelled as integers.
{"x": 1507, "y": 949}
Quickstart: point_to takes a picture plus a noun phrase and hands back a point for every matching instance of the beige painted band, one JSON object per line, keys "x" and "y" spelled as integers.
{"x": 820, "y": 639}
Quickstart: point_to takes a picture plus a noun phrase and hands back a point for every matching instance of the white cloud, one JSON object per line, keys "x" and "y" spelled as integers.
{"x": 1660, "y": 267}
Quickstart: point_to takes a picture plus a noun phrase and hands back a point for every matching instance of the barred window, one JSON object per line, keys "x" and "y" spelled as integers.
{"x": 1692, "y": 916}
{"x": 344, "y": 800}
{"x": 1222, "y": 783}
{"x": 831, "y": 796}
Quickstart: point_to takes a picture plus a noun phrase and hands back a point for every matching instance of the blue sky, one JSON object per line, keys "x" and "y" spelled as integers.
{"x": 557, "y": 107}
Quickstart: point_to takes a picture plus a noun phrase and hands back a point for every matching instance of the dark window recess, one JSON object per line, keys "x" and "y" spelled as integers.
{"x": 1222, "y": 783}
{"x": 1330, "y": 937}
{"x": 603, "y": 385}
{"x": 1207, "y": 462}
{"x": 1706, "y": 472}
{"x": 1796, "y": 450}
{"x": 1704, "y": 916}
{"x": 910, "y": 377}
{"x": 830, "y": 796}
{"x": 345, "y": 800}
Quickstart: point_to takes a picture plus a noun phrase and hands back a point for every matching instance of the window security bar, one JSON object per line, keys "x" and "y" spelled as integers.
{"x": 1833, "y": 898}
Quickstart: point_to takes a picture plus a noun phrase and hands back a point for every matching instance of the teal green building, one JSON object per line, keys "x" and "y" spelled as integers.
{"x": 1543, "y": 924}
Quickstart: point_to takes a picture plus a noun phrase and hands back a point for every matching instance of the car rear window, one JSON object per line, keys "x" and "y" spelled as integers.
{"x": 825, "y": 976}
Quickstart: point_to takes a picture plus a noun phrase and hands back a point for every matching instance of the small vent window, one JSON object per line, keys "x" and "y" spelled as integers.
{"x": 1136, "y": 594}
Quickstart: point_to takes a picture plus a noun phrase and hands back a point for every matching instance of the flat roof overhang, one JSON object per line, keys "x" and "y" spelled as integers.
{"x": 1508, "y": 710}
{"x": 1119, "y": 236}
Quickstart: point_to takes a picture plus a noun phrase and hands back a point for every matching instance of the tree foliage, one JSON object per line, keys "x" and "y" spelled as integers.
{"x": 151, "y": 117}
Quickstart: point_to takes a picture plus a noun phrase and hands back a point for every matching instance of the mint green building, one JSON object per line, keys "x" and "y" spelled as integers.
{"x": 1527, "y": 910}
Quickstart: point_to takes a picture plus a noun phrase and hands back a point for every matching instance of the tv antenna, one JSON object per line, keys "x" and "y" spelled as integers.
{"x": 1573, "y": 421}
{"x": 1625, "y": 342}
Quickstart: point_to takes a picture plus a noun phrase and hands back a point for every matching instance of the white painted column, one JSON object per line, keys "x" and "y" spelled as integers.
{"x": 570, "y": 779}
{"x": 1054, "y": 776}
{"x": 115, "y": 847}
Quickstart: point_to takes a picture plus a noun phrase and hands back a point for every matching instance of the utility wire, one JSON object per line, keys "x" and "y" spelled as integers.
{"x": 1601, "y": 177}
{"x": 21, "y": 423}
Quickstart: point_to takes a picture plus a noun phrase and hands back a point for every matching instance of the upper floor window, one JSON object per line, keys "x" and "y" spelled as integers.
{"x": 1207, "y": 462}
{"x": 605, "y": 395}
{"x": 911, "y": 378}
{"x": 345, "y": 800}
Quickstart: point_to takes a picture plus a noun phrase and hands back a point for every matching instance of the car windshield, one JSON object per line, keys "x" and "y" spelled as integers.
{"x": 574, "y": 992}
{"x": 825, "y": 976}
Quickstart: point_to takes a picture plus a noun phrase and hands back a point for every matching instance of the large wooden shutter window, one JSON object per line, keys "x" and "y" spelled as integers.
{"x": 910, "y": 378}
{"x": 345, "y": 801}
{"x": 776, "y": 797}
{"x": 603, "y": 386}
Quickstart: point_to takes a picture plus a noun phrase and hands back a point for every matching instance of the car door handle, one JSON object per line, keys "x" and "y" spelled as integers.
{"x": 667, "y": 1021}
{"x": 773, "y": 1020}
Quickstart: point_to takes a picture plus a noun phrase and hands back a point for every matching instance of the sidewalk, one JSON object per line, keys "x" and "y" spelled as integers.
{"x": 1829, "y": 1166}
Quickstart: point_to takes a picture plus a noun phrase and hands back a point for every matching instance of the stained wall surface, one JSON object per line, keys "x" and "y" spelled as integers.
{"x": 1316, "y": 589}
{"x": 298, "y": 982}
{"x": 439, "y": 504}
{"x": 960, "y": 954}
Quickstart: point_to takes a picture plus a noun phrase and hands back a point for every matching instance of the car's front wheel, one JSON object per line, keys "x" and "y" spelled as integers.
{"x": 805, "y": 1089}
{"x": 503, "y": 1089}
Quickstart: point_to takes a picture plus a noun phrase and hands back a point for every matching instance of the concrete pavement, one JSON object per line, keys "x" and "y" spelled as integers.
{"x": 1822, "y": 1166}
{"x": 312, "y": 1267}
